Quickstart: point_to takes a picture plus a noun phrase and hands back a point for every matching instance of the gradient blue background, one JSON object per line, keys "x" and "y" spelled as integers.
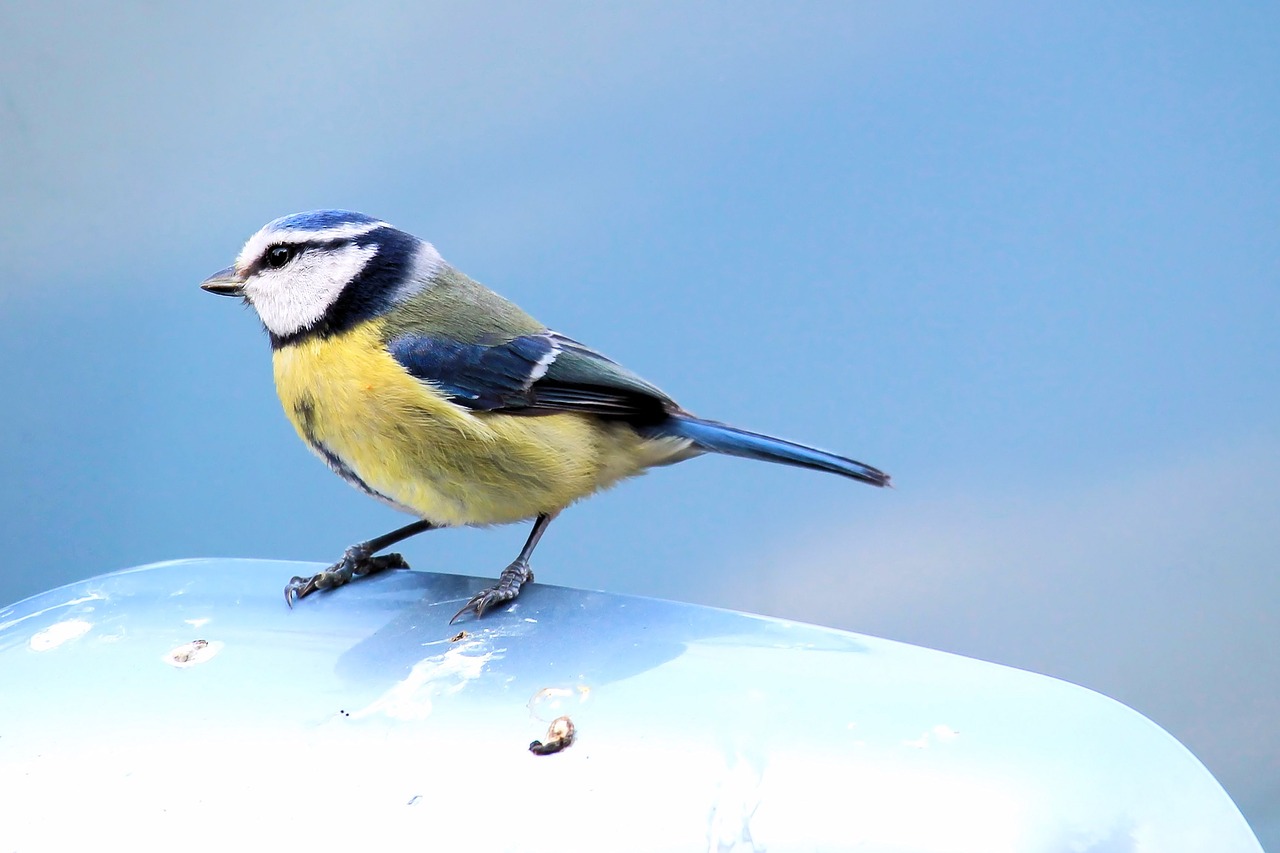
{"x": 1024, "y": 259}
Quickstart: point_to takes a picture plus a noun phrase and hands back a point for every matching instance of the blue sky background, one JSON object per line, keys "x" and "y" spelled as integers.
{"x": 1024, "y": 259}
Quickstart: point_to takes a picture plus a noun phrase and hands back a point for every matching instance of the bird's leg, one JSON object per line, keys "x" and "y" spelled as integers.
{"x": 359, "y": 559}
{"x": 513, "y": 576}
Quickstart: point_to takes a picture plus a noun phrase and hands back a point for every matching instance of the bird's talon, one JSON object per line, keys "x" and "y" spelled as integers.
{"x": 478, "y": 603}
{"x": 513, "y": 577}
{"x": 470, "y": 605}
{"x": 298, "y": 588}
{"x": 355, "y": 563}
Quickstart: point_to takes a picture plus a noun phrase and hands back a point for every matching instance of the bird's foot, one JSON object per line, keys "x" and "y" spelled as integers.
{"x": 513, "y": 577}
{"x": 355, "y": 562}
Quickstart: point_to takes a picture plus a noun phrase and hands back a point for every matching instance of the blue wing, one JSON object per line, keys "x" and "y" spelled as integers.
{"x": 475, "y": 375}
{"x": 545, "y": 373}
{"x": 534, "y": 374}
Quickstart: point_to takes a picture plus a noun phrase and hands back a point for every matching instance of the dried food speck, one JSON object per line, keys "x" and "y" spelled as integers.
{"x": 192, "y": 653}
{"x": 559, "y": 735}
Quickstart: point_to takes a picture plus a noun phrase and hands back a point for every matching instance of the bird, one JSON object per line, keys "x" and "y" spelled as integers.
{"x": 430, "y": 392}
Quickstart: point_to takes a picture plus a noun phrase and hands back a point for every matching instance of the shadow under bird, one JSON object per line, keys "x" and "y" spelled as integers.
{"x": 432, "y": 393}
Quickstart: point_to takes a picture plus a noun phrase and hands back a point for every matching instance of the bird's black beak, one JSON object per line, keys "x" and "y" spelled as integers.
{"x": 224, "y": 283}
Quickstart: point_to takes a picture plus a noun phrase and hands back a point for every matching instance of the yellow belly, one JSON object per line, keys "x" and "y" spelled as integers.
{"x": 358, "y": 409}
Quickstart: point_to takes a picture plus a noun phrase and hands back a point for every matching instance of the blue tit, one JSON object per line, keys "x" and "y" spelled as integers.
{"x": 435, "y": 395}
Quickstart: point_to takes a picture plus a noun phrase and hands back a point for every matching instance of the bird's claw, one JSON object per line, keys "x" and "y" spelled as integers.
{"x": 299, "y": 588}
{"x": 352, "y": 564}
{"x": 513, "y": 577}
{"x": 484, "y": 599}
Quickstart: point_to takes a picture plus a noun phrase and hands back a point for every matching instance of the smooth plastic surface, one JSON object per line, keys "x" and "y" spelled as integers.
{"x": 182, "y": 706}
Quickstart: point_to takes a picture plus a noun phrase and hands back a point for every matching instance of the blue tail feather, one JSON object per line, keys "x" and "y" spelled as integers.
{"x": 720, "y": 438}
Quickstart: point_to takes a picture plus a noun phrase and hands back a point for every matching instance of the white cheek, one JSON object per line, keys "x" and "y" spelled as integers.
{"x": 293, "y": 298}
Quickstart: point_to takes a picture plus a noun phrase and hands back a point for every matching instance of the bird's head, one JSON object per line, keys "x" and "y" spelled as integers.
{"x": 324, "y": 269}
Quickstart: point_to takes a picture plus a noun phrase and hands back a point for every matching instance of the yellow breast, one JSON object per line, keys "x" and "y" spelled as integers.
{"x": 402, "y": 441}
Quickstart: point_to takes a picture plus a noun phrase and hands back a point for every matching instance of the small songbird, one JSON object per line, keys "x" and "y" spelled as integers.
{"x": 432, "y": 393}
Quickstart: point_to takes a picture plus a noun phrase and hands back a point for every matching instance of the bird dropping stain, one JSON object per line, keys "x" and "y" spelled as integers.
{"x": 57, "y": 634}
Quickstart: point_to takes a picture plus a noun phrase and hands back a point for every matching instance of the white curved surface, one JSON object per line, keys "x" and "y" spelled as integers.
{"x": 357, "y": 721}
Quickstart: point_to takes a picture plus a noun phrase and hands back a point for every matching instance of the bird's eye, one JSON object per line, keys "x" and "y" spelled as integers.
{"x": 278, "y": 256}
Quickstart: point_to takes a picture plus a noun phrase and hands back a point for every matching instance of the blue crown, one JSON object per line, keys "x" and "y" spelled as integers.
{"x": 319, "y": 220}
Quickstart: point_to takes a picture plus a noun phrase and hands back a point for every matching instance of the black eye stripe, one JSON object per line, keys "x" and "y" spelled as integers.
{"x": 294, "y": 249}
